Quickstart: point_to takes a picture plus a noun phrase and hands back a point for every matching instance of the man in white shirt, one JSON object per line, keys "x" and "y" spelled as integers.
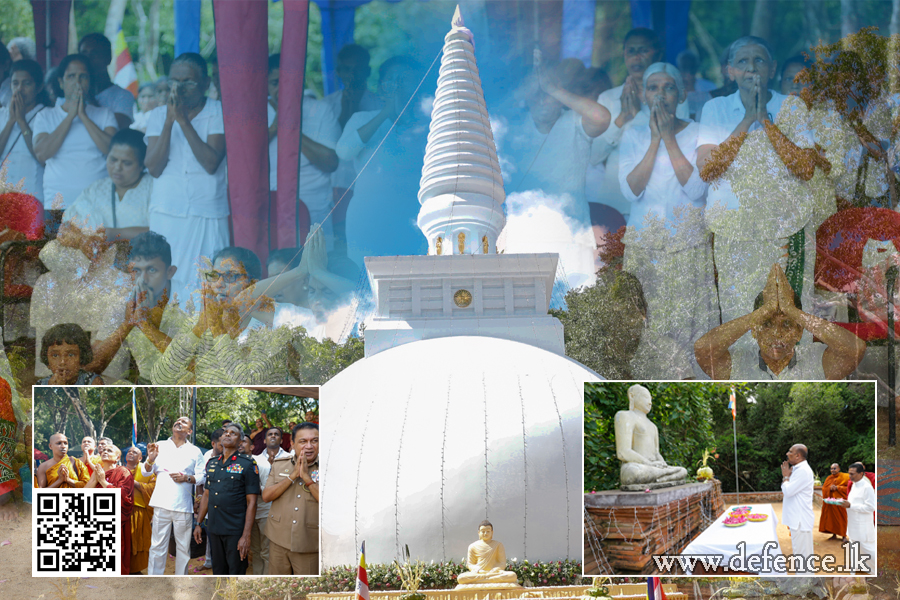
{"x": 179, "y": 467}
{"x": 319, "y": 134}
{"x": 797, "y": 508}
{"x": 98, "y": 49}
{"x": 860, "y": 505}
{"x": 259, "y": 543}
{"x": 353, "y": 70}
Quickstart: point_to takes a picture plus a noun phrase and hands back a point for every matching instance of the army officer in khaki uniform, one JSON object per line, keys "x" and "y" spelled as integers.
{"x": 293, "y": 490}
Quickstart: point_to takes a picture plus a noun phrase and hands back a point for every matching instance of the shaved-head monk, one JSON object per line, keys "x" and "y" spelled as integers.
{"x": 834, "y": 517}
{"x": 62, "y": 471}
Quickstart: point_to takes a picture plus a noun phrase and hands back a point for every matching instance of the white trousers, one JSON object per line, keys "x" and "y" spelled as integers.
{"x": 870, "y": 549}
{"x": 159, "y": 541}
{"x": 802, "y": 544}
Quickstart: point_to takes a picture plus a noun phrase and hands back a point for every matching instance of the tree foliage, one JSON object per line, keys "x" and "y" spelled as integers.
{"x": 107, "y": 411}
{"x": 835, "y": 420}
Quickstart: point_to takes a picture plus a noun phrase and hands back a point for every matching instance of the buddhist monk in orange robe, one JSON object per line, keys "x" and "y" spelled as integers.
{"x": 834, "y": 518}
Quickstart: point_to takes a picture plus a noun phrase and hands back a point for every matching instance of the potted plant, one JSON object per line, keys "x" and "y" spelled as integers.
{"x": 410, "y": 574}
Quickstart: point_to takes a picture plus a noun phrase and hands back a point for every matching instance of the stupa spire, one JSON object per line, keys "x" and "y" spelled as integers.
{"x": 461, "y": 190}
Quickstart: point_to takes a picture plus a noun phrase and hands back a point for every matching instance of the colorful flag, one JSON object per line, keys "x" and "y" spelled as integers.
{"x": 655, "y": 589}
{"x": 133, "y": 418}
{"x": 126, "y": 75}
{"x": 362, "y": 580}
{"x": 732, "y": 404}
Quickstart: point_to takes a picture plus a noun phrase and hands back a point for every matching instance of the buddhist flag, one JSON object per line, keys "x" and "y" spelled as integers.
{"x": 133, "y": 418}
{"x": 655, "y": 589}
{"x": 362, "y": 579}
{"x": 732, "y": 404}
{"x": 126, "y": 75}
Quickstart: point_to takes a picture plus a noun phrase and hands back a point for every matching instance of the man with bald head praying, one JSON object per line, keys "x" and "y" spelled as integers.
{"x": 797, "y": 509}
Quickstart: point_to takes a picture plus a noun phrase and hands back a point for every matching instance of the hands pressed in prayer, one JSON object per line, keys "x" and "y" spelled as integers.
{"x": 785, "y": 469}
{"x": 631, "y": 99}
{"x": 664, "y": 121}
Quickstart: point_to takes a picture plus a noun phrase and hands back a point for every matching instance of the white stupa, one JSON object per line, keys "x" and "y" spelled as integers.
{"x": 465, "y": 406}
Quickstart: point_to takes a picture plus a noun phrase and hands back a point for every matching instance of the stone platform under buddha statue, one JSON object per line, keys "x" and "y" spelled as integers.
{"x": 629, "y": 528}
{"x": 625, "y": 591}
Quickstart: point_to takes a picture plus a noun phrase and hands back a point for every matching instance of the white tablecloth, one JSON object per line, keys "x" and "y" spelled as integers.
{"x": 722, "y": 541}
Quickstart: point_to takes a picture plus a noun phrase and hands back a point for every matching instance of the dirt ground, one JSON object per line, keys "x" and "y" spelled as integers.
{"x": 821, "y": 543}
{"x": 17, "y": 583}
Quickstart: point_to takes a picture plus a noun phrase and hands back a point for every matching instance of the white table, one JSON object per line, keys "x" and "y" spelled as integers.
{"x": 720, "y": 540}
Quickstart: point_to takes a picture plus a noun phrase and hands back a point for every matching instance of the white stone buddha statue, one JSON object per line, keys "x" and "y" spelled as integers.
{"x": 637, "y": 446}
{"x": 486, "y": 560}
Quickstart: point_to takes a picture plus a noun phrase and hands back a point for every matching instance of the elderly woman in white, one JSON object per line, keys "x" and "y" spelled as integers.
{"x": 642, "y": 47}
{"x": 667, "y": 245}
{"x": 117, "y": 203}
{"x": 752, "y": 226}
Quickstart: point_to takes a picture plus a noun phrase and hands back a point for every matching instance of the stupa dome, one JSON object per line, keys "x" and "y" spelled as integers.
{"x": 421, "y": 442}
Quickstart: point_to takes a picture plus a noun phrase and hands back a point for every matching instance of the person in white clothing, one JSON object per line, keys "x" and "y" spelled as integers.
{"x": 16, "y": 137}
{"x": 381, "y": 219}
{"x": 259, "y": 543}
{"x": 98, "y": 49}
{"x": 117, "y": 203}
{"x": 319, "y": 135}
{"x": 185, "y": 152}
{"x": 72, "y": 138}
{"x": 860, "y": 505}
{"x": 179, "y": 467}
{"x": 755, "y": 224}
{"x": 641, "y": 49}
{"x": 667, "y": 245}
{"x": 353, "y": 70}
{"x": 797, "y": 508}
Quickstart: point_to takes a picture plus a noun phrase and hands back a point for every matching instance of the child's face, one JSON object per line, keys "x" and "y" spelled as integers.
{"x": 64, "y": 361}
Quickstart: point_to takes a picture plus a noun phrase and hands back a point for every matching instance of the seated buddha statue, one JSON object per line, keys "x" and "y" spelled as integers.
{"x": 486, "y": 560}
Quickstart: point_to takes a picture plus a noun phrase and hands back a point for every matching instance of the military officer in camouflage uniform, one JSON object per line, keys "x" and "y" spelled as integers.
{"x": 293, "y": 489}
{"x": 232, "y": 491}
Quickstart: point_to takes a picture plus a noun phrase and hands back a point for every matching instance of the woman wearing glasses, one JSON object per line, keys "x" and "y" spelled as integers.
{"x": 185, "y": 148}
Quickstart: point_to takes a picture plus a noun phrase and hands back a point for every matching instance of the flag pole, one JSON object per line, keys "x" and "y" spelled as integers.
{"x": 737, "y": 483}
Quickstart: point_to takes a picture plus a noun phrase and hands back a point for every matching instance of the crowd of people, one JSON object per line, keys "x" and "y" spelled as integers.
{"x": 675, "y": 160}
{"x": 252, "y": 498}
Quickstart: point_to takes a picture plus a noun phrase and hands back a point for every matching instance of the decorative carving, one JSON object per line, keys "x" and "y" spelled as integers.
{"x": 439, "y": 244}
{"x": 484, "y": 244}
{"x": 462, "y": 298}
{"x": 461, "y": 242}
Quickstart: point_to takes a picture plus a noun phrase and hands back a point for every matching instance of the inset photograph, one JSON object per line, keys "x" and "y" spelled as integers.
{"x": 741, "y": 478}
{"x": 210, "y": 480}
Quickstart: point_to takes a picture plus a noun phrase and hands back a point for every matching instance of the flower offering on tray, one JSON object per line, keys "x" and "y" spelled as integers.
{"x": 735, "y": 521}
{"x": 757, "y": 517}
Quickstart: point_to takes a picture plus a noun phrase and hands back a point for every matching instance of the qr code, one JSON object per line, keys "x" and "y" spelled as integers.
{"x": 76, "y": 532}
